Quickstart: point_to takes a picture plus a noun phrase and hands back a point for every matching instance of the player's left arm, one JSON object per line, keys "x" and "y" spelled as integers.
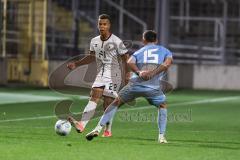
{"x": 146, "y": 75}
{"x": 127, "y": 72}
{"x": 163, "y": 67}
{"x": 123, "y": 52}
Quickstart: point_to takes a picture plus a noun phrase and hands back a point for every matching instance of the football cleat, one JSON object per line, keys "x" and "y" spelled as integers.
{"x": 77, "y": 125}
{"x": 91, "y": 135}
{"x": 107, "y": 134}
{"x": 162, "y": 139}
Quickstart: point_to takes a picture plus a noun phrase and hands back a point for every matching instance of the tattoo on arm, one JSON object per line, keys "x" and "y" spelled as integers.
{"x": 163, "y": 67}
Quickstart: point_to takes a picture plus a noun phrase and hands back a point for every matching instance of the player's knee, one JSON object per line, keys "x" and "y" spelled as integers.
{"x": 164, "y": 105}
{"x": 94, "y": 99}
{"x": 96, "y": 94}
{"x": 107, "y": 102}
{"x": 118, "y": 102}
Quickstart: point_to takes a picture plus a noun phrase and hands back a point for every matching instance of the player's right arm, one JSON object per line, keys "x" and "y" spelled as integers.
{"x": 85, "y": 60}
{"x": 132, "y": 65}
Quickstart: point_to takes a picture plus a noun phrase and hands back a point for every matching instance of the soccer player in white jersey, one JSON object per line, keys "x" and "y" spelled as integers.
{"x": 110, "y": 55}
{"x": 148, "y": 64}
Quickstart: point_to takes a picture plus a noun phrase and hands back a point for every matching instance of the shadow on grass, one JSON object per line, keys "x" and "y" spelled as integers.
{"x": 209, "y": 142}
{"x": 186, "y": 143}
{"x": 204, "y": 144}
{"x": 136, "y": 138}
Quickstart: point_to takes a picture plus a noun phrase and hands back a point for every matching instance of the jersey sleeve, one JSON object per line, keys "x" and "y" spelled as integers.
{"x": 121, "y": 49}
{"x": 132, "y": 59}
{"x": 168, "y": 54}
{"x": 91, "y": 46}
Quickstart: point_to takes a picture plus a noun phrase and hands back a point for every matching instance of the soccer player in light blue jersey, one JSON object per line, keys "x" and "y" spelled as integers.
{"x": 148, "y": 65}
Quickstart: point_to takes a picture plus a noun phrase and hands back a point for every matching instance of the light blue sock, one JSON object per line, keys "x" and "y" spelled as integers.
{"x": 108, "y": 114}
{"x": 162, "y": 120}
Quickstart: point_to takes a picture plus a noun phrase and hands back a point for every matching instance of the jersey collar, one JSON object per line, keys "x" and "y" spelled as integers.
{"x": 107, "y": 38}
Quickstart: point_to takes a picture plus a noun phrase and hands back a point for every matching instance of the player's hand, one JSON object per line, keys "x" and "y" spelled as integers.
{"x": 145, "y": 75}
{"x": 71, "y": 65}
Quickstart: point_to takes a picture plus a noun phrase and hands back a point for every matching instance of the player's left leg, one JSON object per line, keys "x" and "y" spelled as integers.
{"x": 107, "y": 116}
{"x": 157, "y": 98}
{"x": 109, "y": 94}
{"x": 162, "y": 122}
{"x": 107, "y": 131}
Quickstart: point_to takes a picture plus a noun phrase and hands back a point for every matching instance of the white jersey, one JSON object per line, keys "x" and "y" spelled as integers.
{"x": 108, "y": 54}
{"x": 109, "y": 73}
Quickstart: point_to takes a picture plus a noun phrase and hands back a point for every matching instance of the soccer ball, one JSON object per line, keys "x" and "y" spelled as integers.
{"x": 63, "y": 127}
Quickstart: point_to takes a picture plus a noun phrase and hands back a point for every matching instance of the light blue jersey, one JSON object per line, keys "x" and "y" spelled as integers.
{"x": 148, "y": 58}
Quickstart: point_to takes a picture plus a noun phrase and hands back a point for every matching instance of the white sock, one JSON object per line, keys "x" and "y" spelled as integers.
{"x": 161, "y": 135}
{"x": 88, "y": 112}
{"x": 106, "y": 117}
{"x": 109, "y": 126}
{"x": 98, "y": 128}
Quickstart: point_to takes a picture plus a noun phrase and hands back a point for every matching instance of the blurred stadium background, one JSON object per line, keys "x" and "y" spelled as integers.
{"x": 38, "y": 35}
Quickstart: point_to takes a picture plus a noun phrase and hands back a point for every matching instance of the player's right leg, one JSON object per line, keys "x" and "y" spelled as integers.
{"x": 107, "y": 116}
{"x": 89, "y": 110}
{"x": 125, "y": 95}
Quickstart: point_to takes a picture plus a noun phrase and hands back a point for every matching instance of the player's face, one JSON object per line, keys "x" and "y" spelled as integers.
{"x": 103, "y": 26}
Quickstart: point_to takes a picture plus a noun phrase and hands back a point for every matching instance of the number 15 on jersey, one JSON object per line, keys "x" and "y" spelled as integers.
{"x": 151, "y": 56}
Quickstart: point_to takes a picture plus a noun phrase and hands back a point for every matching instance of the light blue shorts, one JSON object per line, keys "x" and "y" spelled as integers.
{"x": 130, "y": 92}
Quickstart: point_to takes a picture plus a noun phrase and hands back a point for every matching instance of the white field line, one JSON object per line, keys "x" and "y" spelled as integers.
{"x": 13, "y": 98}
{"x": 214, "y": 100}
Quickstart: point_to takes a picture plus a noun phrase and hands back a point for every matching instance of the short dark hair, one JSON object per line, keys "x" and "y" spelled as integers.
{"x": 150, "y": 36}
{"x": 105, "y": 16}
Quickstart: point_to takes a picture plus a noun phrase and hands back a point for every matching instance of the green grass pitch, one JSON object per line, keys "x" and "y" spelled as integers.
{"x": 202, "y": 125}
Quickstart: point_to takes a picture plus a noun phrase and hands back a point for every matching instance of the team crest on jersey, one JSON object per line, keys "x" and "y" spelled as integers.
{"x": 111, "y": 46}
